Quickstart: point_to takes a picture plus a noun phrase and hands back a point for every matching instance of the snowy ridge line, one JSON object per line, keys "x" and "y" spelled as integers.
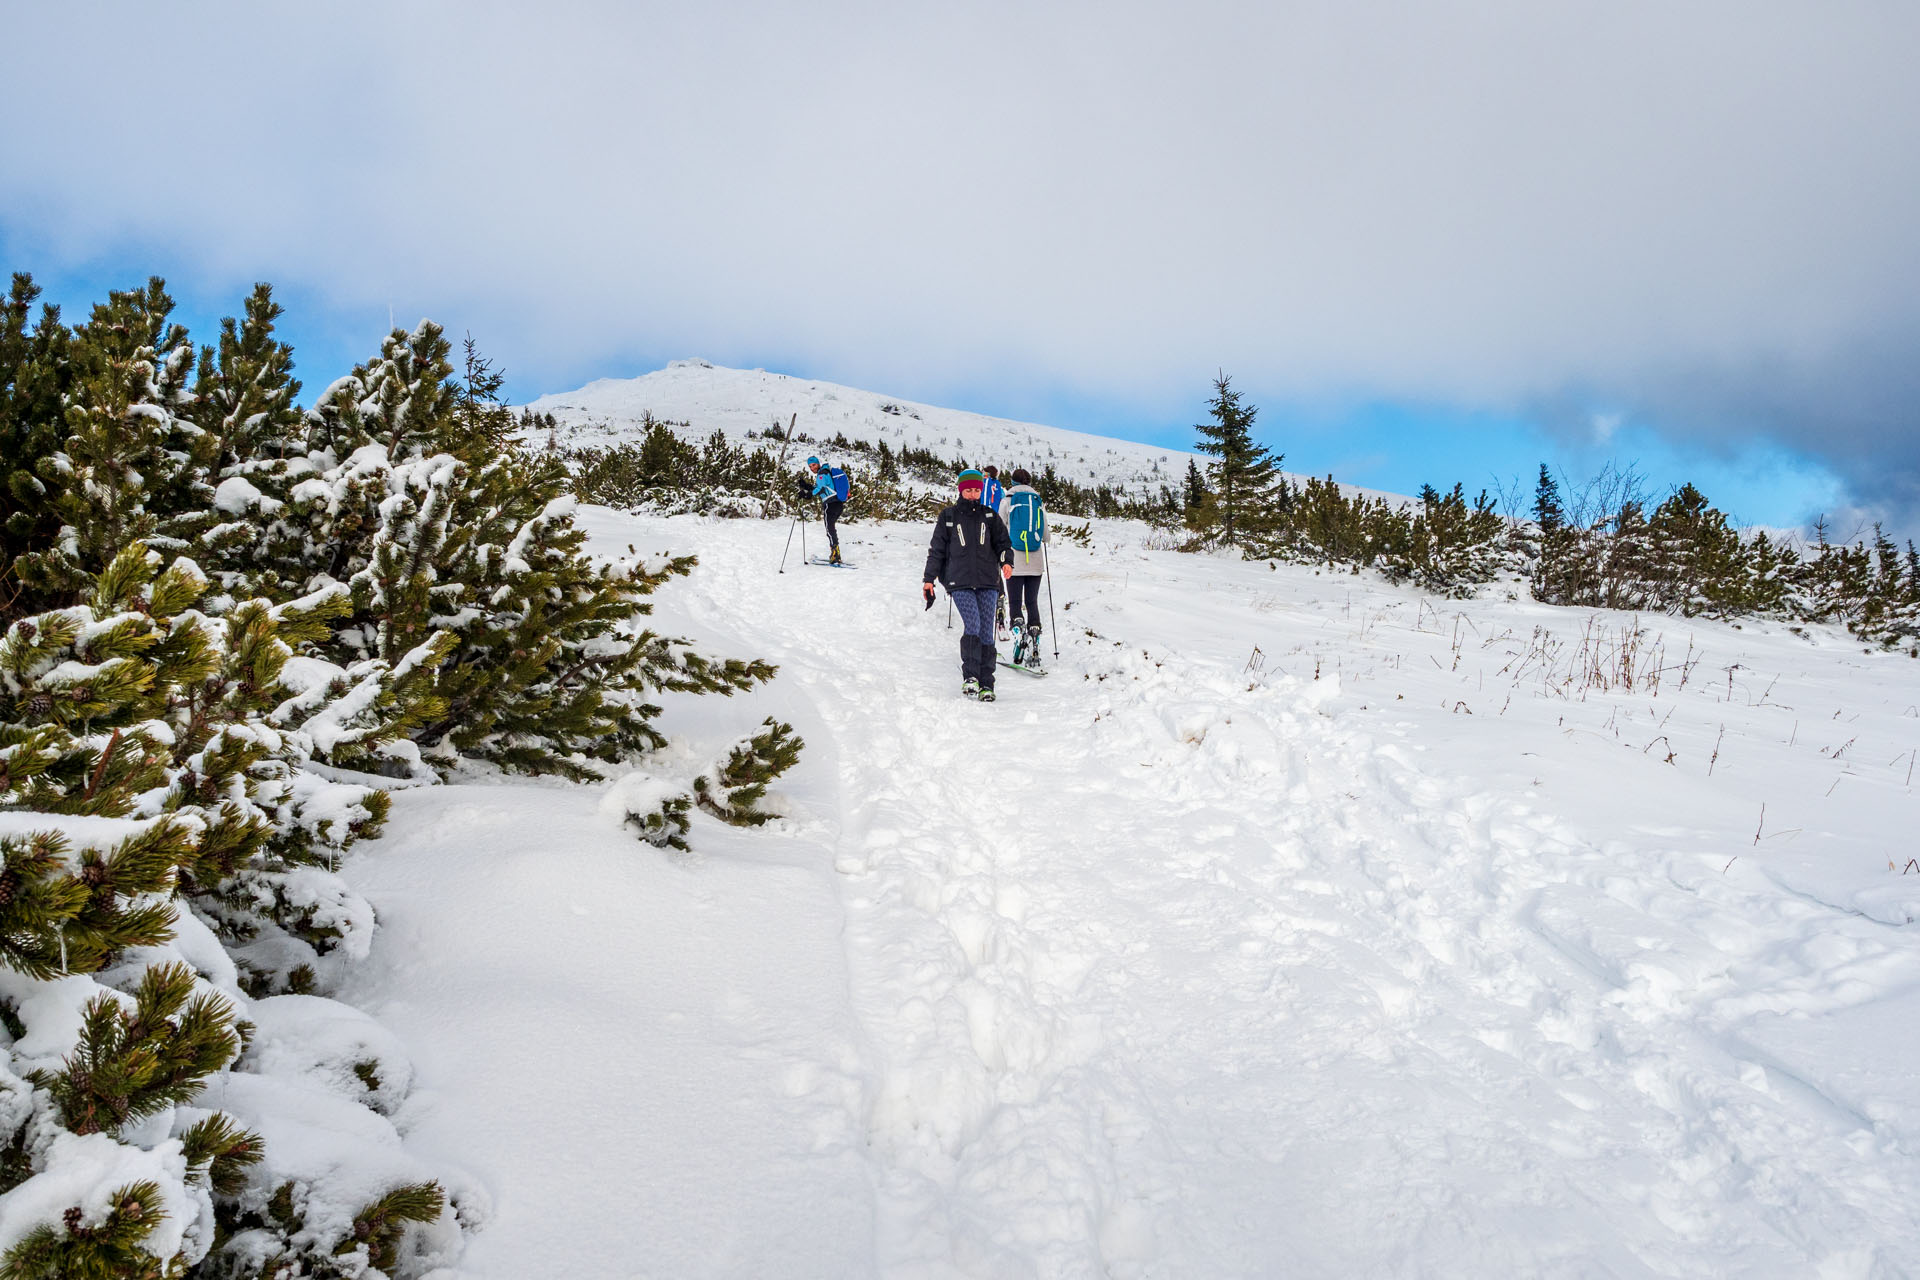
{"x": 742, "y": 401}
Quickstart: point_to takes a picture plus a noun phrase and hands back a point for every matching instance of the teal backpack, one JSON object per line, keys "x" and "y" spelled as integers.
{"x": 1026, "y": 521}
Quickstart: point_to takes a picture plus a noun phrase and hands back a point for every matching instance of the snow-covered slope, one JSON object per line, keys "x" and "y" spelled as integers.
{"x": 738, "y": 401}
{"x": 1295, "y": 925}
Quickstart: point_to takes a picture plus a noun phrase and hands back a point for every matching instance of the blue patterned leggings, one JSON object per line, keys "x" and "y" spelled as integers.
{"x": 976, "y": 641}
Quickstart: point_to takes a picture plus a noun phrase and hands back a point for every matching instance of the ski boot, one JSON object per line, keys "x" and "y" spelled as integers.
{"x": 986, "y": 694}
{"x": 1033, "y": 649}
{"x": 970, "y": 688}
{"x": 833, "y": 554}
{"x": 1019, "y": 642}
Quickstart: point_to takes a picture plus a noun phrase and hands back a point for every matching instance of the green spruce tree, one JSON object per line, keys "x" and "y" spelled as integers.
{"x": 1243, "y": 473}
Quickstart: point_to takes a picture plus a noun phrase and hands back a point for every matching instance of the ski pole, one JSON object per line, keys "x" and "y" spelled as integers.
{"x": 1046, "y": 567}
{"x": 789, "y": 546}
{"x": 949, "y": 610}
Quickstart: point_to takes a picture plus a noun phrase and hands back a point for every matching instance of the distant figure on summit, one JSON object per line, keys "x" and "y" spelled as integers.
{"x": 831, "y": 485}
{"x": 971, "y": 556}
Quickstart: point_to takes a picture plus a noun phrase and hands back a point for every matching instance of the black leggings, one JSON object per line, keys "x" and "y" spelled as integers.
{"x": 1023, "y": 598}
{"x": 832, "y": 507}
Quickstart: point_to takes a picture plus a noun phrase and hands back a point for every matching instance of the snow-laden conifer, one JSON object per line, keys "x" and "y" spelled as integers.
{"x": 224, "y": 622}
{"x": 155, "y": 803}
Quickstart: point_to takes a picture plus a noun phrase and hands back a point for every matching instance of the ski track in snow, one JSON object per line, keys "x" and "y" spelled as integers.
{"x": 1165, "y": 967}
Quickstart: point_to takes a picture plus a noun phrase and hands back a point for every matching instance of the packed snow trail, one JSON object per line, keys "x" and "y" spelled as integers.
{"x": 1166, "y": 974}
{"x": 1180, "y": 964}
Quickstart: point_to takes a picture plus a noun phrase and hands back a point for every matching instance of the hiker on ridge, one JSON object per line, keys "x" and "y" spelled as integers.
{"x": 971, "y": 556}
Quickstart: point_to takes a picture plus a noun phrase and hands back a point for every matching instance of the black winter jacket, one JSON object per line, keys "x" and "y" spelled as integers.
{"x": 969, "y": 545}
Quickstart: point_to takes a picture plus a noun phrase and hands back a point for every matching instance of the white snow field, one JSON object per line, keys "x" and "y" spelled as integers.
{"x": 743, "y": 403}
{"x": 710, "y": 397}
{"x": 1295, "y": 925}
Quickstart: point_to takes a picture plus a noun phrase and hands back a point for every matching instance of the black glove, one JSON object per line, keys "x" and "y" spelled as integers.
{"x": 926, "y": 589}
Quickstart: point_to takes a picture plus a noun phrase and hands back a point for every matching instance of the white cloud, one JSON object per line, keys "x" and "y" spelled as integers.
{"x": 1703, "y": 212}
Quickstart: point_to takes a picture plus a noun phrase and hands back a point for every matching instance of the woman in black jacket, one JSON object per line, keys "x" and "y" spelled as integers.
{"x": 971, "y": 556}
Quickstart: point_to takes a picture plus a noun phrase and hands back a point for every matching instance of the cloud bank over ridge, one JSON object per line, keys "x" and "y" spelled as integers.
{"x": 1699, "y": 217}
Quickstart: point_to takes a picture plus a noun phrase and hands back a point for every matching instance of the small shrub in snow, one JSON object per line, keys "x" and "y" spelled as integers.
{"x": 732, "y": 790}
{"x": 1079, "y": 535}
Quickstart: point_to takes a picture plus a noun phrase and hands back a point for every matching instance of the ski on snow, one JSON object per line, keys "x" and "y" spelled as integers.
{"x": 831, "y": 564}
{"x": 1021, "y": 667}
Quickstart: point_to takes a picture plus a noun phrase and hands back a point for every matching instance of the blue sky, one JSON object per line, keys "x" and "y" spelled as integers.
{"x": 1431, "y": 243}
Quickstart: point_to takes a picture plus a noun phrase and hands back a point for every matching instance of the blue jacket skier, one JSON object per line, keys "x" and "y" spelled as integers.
{"x": 971, "y": 556}
{"x": 993, "y": 492}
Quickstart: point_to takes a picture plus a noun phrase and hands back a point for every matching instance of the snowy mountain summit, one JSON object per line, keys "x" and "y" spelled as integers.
{"x": 707, "y": 397}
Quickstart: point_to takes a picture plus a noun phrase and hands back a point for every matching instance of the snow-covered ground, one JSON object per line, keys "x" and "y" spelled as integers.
{"x": 1294, "y": 925}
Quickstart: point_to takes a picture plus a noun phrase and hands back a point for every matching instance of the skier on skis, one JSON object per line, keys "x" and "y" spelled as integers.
{"x": 831, "y": 504}
{"x": 971, "y": 556}
{"x": 1026, "y": 520}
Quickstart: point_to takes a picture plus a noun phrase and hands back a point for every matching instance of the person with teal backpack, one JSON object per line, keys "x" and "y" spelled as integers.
{"x": 1026, "y": 519}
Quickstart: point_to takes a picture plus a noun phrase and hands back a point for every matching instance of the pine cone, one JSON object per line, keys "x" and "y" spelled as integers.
{"x": 72, "y": 1218}
{"x": 40, "y": 704}
{"x": 9, "y": 886}
{"x": 81, "y": 693}
{"x": 94, "y": 873}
